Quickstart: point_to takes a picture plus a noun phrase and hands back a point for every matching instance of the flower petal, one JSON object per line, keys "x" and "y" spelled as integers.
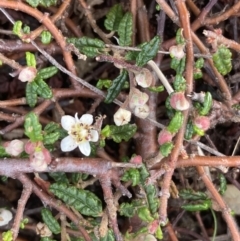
{"x": 68, "y": 144}
{"x": 67, "y": 121}
{"x": 94, "y": 135}
{"x": 85, "y": 148}
{"x": 86, "y": 119}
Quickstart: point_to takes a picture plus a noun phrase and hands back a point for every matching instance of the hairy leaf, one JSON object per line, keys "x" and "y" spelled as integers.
{"x": 114, "y": 17}
{"x": 31, "y": 93}
{"x": 33, "y": 129}
{"x": 46, "y": 37}
{"x": 116, "y": 87}
{"x": 125, "y": 30}
{"x": 50, "y": 221}
{"x": 176, "y": 122}
{"x": 47, "y": 72}
{"x": 131, "y": 175}
{"x": 166, "y": 148}
{"x": 30, "y": 59}
{"x": 83, "y": 201}
{"x": 144, "y": 214}
{"x": 59, "y": 177}
{"x": 43, "y": 89}
{"x": 148, "y": 52}
{"x": 88, "y": 46}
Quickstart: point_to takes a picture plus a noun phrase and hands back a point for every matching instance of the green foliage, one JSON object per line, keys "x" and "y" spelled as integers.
{"x": 131, "y": 175}
{"x": 44, "y": 3}
{"x": 176, "y": 122}
{"x": 26, "y": 29}
{"x": 43, "y": 89}
{"x": 179, "y": 83}
{"x": 47, "y": 239}
{"x": 149, "y": 51}
{"x": 198, "y": 131}
{"x": 46, "y": 37}
{"x": 125, "y": 30}
{"x": 88, "y": 46}
{"x": 144, "y": 214}
{"x": 199, "y": 63}
{"x": 201, "y": 206}
{"x": 52, "y": 133}
{"x": 7, "y": 236}
{"x": 223, "y": 184}
{"x": 127, "y": 210}
{"x": 3, "y": 153}
{"x": 109, "y": 236}
{"x": 222, "y": 60}
{"x": 50, "y": 221}
{"x": 47, "y": 72}
{"x": 189, "y": 194}
{"x": 33, "y": 129}
{"x": 116, "y": 87}
{"x": 30, "y": 59}
{"x": 205, "y": 107}
{"x": 119, "y": 133}
{"x": 77, "y": 176}
{"x": 17, "y": 28}
{"x": 23, "y": 223}
{"x": 31, "y": 93}
{"x": 156, "y": 89}
{"x": 189, "y": 131}
{"x": 197, "y": 68}
{"x": 83, "y": 201}
{"x": 178, "y": 65}
{"x": 166, "y": 148}
{"x": 103, "y": 83}
{"x": 114, "y": 17}
{"x": 59, "y": 177}
{"x": 179, "y": 37}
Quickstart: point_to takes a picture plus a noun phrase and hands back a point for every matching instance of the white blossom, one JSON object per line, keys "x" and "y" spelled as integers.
{"x": 5, "y": 216}
{"x": 80, "y": 131}
{"x": 122, "y": 117}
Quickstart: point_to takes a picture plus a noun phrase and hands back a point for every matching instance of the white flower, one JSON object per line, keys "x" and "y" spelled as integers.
{"x": 122, "y": 117}
{"x": 5, "y": 216}
{"x": 80, "y": 133}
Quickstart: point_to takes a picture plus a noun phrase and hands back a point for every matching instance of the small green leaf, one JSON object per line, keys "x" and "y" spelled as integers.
{"x": 176, "y": 122}
{"x": 197, "y": 207}
{"x": 48, "y": 3}
{"x": 198, "y": 131}
{"x": 104, "y": 83}
{"x": 17, "y": 28}
{"x": 166, "y": 148}
{"x": 26, "y": 29}
{"x": 50, "y": 221}
{"x": 127, "y": 210}
{"x": 178, "y": 65}
{"x": 114, "y": 17}
{"x": 109, "y": 236}
{"x": 7, "y": 236}
{"x": 144, "y": 214}
{"x": 51, "y": 138}
{"x": 83, "y": 201}
{"x": 33, "y": 128}
{"x": 59, "y": 177}
{"x": 31, "y": 93}
{"x": 30, "y": 59}
{"x": 116, "y": 87}
{"x": 189, "y": 131}
{"x": 33, "y": 3}
{"x": 189, "y": 194}
{"x": 148, "y": 52}
{"x": 223, "y": 184}
{"x": 159, "y": 233}
{"x": 207, "y": 104}
{"x": 131, "y": 175}
{"x": 46, "y": 37}
{"x": 120, "y": 133}
{"x": 47, "y": 73}
{"x": 3, "y": 153}
{"x": 125, "y": 30}
{"x": 179, "y": 36}
{"x": 222, "y": 60}
{"x": 199, "y": 63}
{"x": 153, "y": 201}
{"x": 43, "y": 89}
{"x": 156, "y": 89}
{"x": 88, "y": 46}
{"x": 179, "y": 83}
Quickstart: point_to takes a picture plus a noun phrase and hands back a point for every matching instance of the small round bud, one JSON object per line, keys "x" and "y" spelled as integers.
{"x": 14, "y": 147}
{"x": 202, "y": 122}
{"x": 164, "y": 136}
{"x": 122, "y": 117}
{"x": 176, "y": 51}
{"x": 27, "y": 74}
{"x": 178, "y": 101}
{"x": 144, "y": 78}
{"x": 142, "y": 111}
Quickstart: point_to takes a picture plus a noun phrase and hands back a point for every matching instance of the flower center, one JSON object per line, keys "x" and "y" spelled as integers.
{"x": 80, "y": 132}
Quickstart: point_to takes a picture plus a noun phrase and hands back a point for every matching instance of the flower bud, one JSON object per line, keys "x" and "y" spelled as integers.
{"x": 40, "y": 159}
{"x": 27, "y": 74}
{"x": 136, "y": 160}
{"x": 137, "y": 98}
{"x": 142, "y": 111}
{"x": 144, "y": 78}
{"x": 153, "y": 226}
{"x": 122, "y": 117}
{"x": 202, "y": 122}
{"x": 178, "y": 101}
{"x": 164, "y": 136}
{"x": 176, "y": 51}
{"x": 14, "y": 147}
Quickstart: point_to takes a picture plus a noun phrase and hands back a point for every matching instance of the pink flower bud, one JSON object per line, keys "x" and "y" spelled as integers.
{"x": 14, "y": 148}
{"x": 30, "y": 147}
{"x": 202, "y": 122}
{"x": 164, "y": 136}
{"x": 178, "y": 101}
{"x": 142, "y": 111}
{"x": 144, "y": 78}
{"x": 39, "y": 160}
{"x": 27, "y": 74}
{"x": 136, "y": 160}
{"x": 137, "y": 98}
{"x": 177, "y": 51}
{"x": 152, "y": 227}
